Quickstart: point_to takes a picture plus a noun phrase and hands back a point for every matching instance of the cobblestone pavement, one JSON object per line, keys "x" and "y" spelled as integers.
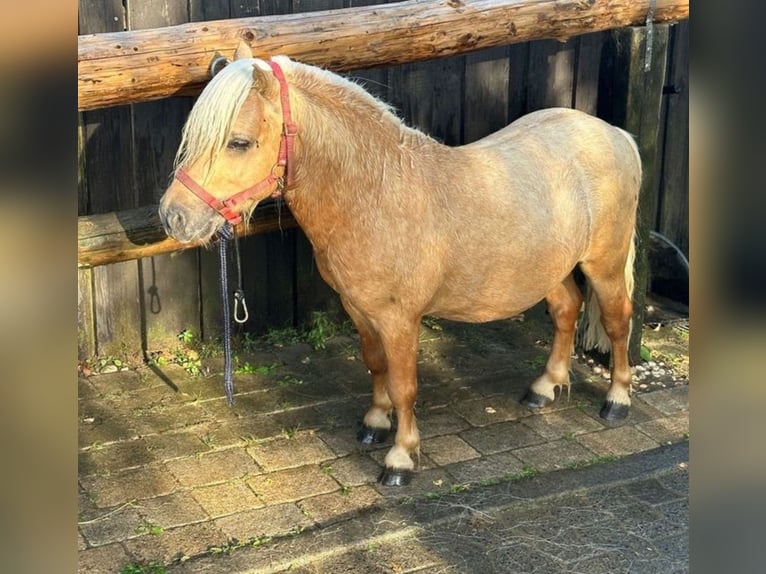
{"x": 174, "y": 477}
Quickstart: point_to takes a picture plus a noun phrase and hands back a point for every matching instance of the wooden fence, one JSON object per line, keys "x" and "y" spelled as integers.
{"x": 126, "y": 153}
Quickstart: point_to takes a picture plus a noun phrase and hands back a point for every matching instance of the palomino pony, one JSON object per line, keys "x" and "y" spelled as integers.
{"x": 403, "y": 226}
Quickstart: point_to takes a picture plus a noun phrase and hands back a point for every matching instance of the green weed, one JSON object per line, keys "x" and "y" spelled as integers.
{"x": 247, "y": 368}
{"x": 526, "y": 471}
{"x": 289, "y": 381}
{"x": 319, "y": 331}
{"x": 150, "y": 568}
{"x": 281, "y": 337}
{"x": 595, "y": 460}
{"x": 646, "y": 353}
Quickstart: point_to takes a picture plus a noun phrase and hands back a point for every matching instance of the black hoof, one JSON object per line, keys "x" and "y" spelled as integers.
{"x": 533, "y": 400}
{"x": 395, "y": 477}
{"x": 612, "y": 411}
{"x": 369, "y": 435}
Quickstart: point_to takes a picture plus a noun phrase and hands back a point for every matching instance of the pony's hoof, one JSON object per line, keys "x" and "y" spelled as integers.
{"x": 612, "y": 411}
{"x": 395, "y": 477}
{"x": 370, "y": 435}
{"x": 533, "y": 400}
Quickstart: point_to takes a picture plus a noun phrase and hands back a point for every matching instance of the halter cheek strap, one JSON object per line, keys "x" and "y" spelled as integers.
{"x": 284, "y": 164}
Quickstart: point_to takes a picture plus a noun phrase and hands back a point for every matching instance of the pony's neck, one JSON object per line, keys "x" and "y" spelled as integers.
{"x": 351, "y": 144}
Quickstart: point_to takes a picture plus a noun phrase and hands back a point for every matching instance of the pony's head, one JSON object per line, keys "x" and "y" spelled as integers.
{"x": 231, "y": 151}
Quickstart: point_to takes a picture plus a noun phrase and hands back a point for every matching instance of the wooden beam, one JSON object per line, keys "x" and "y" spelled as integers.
{"x": 133, "y": 233}
{"x": 134, "y": 66}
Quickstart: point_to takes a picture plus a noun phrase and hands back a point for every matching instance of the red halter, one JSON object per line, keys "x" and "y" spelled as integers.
{"x": 285, "y": 161}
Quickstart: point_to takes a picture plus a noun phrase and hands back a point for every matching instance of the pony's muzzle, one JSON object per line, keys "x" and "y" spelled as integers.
{"x": 173, "y": 220}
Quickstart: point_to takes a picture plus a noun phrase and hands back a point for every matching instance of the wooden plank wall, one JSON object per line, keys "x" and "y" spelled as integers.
{"x": 126, "y": 154}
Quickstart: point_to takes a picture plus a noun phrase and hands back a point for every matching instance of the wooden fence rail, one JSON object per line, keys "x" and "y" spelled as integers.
{"x": 134, "y": 66}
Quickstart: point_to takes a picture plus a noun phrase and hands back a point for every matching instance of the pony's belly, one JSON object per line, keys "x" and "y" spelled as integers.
{"x": 480, "y": 309}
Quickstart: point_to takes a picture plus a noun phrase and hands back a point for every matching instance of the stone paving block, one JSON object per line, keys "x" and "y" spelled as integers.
{"x": 113, "y": 457}
{"x": 448, "y": 449}
{"x": 310, "y": 391}
{"x": 554, "y": 455}
{"x": 112, "y": 525}
{"x": 299, "y": 420}
{"x": 327, "y": 509}
{"x": 173, "y": 544}
{"x": 135, "y": 484}
{"x": 122, "y": 382}
{"x": 212, "y": 467}
{"x": 353, "y": 470}
{"x": 168, "y": 416}
{"x": 491, "y": 410}
{"x": 425, "y": 482}
{"x": 102, "y": 560}
{"x": 172, "y": 510}
{"x": 343, "y": 414}
{"x": 282, "y": 453}
{"x": 486, "y": 468}
{"x": 219, "y": 435}
{"x": 274, "y": 520}
{"x": 669, "y": 401}
{"x": 667, "y": 430}
{"x": 103, "y": 425}
{"x": 81, "y": 543}
{"x": 342, "y": 441}
{"x": 437, "y": 422}
{"x": 443, "y": 392}
{"x": 251, "y": 429}
{"x": 226, "y": 498}
{"x": 589, "y": 398}
{"x": 556, "y": 425}
{"x": 501, "y": 437}
{"x": 619, "y": 441}
{"x": 169, "y": 446}
{"x": 292, "y": 484}
{"x": 86, "y": 392}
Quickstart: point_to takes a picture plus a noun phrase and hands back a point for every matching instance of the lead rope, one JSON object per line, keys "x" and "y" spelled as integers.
{"x": 225, "y": 234}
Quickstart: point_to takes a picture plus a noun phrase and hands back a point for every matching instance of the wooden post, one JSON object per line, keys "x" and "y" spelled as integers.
{"x": 631, "y": 97}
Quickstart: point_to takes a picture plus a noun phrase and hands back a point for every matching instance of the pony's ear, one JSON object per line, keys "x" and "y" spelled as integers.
{"x": 264, "y": 80}
{"x": 218, "y": 63}
{"x": 243, "y": 51}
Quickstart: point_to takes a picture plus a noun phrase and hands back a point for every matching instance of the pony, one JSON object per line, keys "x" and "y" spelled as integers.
{"x": 403, "y": 226}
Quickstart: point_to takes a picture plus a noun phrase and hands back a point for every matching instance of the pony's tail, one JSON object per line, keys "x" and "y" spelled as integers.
{"x": 591, "y": 331}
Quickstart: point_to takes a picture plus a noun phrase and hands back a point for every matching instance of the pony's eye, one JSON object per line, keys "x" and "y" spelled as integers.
{"x": 238, "y": 144}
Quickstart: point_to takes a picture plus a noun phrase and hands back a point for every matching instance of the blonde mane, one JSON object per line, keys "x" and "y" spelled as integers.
{"x": 214, "y": 112}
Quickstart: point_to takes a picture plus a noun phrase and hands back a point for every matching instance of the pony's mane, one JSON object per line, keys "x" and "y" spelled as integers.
{"x": 219, "y": 104}
{"x": 214, "y": 112}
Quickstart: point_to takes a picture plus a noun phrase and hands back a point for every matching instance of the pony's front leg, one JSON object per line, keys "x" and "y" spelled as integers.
{"x": 563, "y": 307}
{"x": 376, "y": 424}
{"x": 401, "y": 350}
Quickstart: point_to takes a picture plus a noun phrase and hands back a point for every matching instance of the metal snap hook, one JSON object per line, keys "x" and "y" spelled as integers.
{"x": 239, "y": 300}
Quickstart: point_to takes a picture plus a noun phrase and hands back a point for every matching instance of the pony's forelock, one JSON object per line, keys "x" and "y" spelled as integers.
{"x": 214, "y": 112}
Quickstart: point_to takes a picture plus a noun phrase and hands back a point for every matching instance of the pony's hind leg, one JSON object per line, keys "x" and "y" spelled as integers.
{"x": 616, "y": 309}
{"x": 564, "y": 304}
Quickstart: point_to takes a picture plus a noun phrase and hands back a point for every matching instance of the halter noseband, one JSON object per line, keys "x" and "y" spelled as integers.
{"x": 226, "y": 207}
